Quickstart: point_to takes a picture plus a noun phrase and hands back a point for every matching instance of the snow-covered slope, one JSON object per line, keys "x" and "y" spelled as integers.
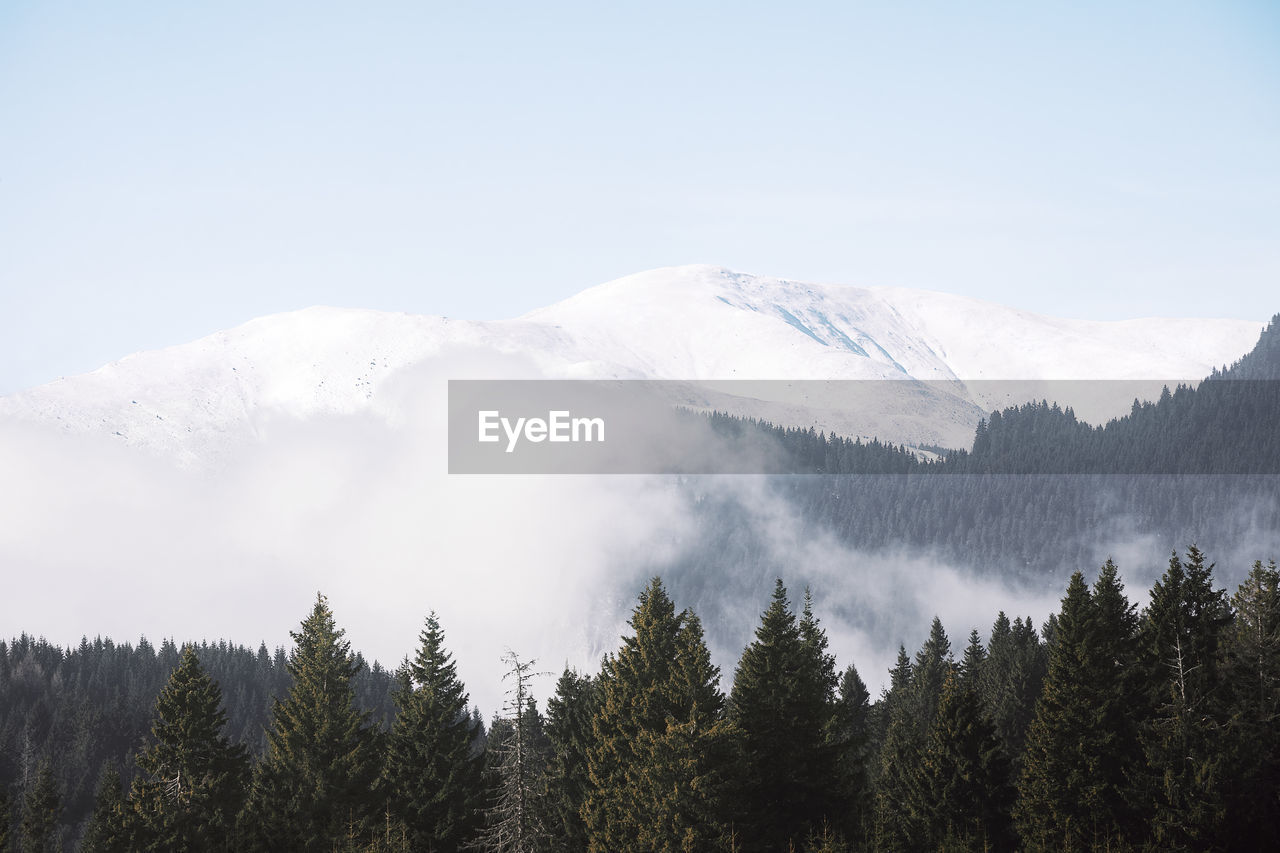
{"x": 194, "y": 403}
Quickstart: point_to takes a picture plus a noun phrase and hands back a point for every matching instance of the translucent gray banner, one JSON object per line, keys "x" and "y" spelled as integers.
{"x": 863, "y": 427}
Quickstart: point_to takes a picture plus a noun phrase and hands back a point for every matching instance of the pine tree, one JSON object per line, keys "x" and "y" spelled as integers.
{"x": 655, "y": 758}
{"x": 569, "y": 714}
{"x": 1011, "y": 679}
{"x": 932, "y": 663}
{"x": 1113, "y": 637}
{"x": 782, "y": 705}
{"x": 191, "y": 781}
{"x": 1253, "y": 672}
{"x": 106, "y": 830}
{"x": 678, "y": 778}
{"x": 6, "y": 804}
{"x": 5, "y": 811}
{"x": 41, "y": 811}
{"x": 1056, "y": 797}
{"x": 966, "y": 787}
{"x": 851, "y": 735}
{"x": 1184, "y": 738}
{"x": 973, "y": 664}
{"x": 897, "y": 826}
{"x": 316, "y": 785}
{"x": 434, "y": 775}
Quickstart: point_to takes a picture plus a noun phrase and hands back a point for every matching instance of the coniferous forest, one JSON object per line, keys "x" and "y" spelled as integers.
{"x": 1108, "y": 727}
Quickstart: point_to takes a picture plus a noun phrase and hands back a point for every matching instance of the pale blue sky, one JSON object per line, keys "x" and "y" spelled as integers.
{"x": 167, "y": 171}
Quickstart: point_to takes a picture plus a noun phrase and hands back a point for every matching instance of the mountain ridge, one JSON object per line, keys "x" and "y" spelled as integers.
{"x": 198, "y": 401}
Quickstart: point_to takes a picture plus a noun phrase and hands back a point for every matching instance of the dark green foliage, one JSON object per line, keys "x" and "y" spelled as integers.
{"x": 1159, "y": 732}
{"x": 106, "y": 831}
{"x": 966, "y": 791}
{"x": 1253, "y": 736}
{"x": 782, "y": 705}
{"x": 658, "y": 748}
{"x": 434, "y": 773}
{"x": 191, "y": 779}
{"x": 930, "y": 669}
{"x": 973, "y": 664}
{"x": 6, "y": 818}
{"x": 898, "y": 826}
{"x": 851, "y": 737}
{"x": 40, "y": 813}
{"x": 568, "y": 729}
{"x": 317, "y": 782}
{"x": 1185, "y": 737}
{"x": 91, "y": 705}
{"x": 1081, "y": 743}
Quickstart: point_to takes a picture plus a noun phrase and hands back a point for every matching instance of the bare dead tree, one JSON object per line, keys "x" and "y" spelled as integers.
{"x": 512, "y": 824}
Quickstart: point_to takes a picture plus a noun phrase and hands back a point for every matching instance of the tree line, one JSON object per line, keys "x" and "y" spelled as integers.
{"x": 1109, "y": 727}
{"x": 1038, "y": 489}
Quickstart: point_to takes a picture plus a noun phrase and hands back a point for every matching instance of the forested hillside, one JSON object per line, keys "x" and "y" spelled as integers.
{"x": 1108, "y": 727}
{"x": 1039, "y": 490}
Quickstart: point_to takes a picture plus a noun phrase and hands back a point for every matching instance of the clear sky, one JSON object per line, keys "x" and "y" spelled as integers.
{"x": 170, "y": 169}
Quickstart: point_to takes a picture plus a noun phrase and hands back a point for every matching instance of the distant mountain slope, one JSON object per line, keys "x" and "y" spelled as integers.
{"x": 197, "y": 402}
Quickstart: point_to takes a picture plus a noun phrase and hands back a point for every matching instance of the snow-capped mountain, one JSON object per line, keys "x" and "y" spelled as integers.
{"x": 195, "y": 402}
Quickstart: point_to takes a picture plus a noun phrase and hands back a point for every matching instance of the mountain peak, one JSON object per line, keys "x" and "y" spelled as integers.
{"x": 700, "y": 322}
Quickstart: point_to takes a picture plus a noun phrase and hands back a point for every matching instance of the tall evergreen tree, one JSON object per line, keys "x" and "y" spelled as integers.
{"x": 1062, "y": 803}
{"x": 1253, "y": 672}
{"x": 973, "y": 664}
{"x": 434, "y": 774}
{"x": 191, "y": 781}
{"x": 932, "y": 664}
{"x": 317, "y": 782}
{"x": 1113, "y": 639}
{"x": 569, "y": 714}
{"x": 782, "y": 705}
{"x": 851, "y": 735}
{"x": 106, "y": 831}
{"x": 898, "y": 827}
{"x": 678, "y": 779}
{"x": 966, "y": 789}
{"x": 41, "y": 807}
{"x": 6, "y": 810}
{"x": 658, "y": 710}
{"x": 1184, "y": 738}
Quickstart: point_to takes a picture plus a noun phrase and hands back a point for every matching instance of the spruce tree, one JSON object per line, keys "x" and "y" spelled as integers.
{"x": 6, "y": 807}
{"x": 434, "y": 775}
{"x": 1057, "y": 799}
{"x": 1253, "y": 673}
{"x": 569, "y": 714}
{"x": 967, "y": 794}
{"x": 41, "y": 812}
{"x": 678, "y": 780}
{"x": 899, "y": 828}
{"x": 316, "y": 785}
{"x": 1113, "y": 636}
{"x": 932, "y": 664}
{"x": 656, "y": 756}
{"x": 851, "y": 735}
{"x": 191, "y": 778}
{"x": 106, "y": 832}
{"x": 1080, "y": 746}
{"x": 1185, "y": 735}
{"x": 973, "y": 664}
{"x": 781, "y": 705}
